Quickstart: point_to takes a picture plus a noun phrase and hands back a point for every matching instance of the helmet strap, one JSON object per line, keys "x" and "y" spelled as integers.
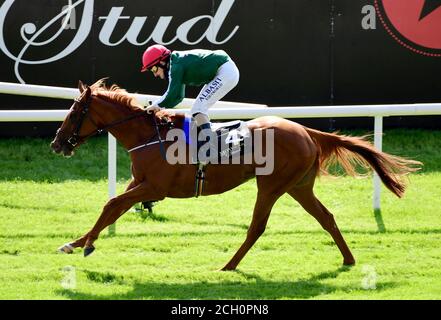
{"x": 165, "y": 67}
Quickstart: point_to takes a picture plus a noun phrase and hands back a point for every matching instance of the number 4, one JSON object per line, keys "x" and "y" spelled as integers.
{"x": 233, "y": 137}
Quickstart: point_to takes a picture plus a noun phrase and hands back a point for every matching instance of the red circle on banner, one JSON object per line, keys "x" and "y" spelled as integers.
{"x": 415, "y": 24}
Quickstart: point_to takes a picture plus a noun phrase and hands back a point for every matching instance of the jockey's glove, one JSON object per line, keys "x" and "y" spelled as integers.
{"x": 153, "y": 108}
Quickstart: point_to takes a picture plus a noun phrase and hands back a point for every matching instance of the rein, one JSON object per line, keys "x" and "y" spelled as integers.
{"x": 149, "y": 142}
{"x": 158, "y": 135}
{"x": 75, "y": 138}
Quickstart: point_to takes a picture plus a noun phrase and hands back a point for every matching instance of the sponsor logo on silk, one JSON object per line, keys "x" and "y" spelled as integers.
{"x": 211, "y": 89}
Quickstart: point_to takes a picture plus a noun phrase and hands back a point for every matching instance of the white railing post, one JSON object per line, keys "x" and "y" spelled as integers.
{"x": 378, "y": 142}
{"x": 112, "y": 173}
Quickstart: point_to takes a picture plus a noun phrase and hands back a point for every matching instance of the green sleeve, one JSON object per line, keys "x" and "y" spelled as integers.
{"x": 176, "y": 89}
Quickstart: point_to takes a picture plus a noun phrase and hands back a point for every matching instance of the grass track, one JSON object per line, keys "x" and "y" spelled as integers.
{"x": 46, "y": 200}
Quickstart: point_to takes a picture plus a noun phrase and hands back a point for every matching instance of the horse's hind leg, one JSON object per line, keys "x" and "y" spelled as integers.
{"x": 305, "y": 196}
{"x": 262, "y": 210}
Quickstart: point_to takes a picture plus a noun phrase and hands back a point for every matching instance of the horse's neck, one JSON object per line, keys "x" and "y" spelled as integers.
{"x": 130, "y": 133}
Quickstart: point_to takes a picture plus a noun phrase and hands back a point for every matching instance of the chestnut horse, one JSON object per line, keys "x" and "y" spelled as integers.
{"x": 300, "y": 154}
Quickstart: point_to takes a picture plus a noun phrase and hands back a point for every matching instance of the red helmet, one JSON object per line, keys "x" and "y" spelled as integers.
{"x": 153, "y": 55}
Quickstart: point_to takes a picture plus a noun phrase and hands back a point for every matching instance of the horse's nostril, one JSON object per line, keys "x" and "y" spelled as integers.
{"x": 55, "y": 146}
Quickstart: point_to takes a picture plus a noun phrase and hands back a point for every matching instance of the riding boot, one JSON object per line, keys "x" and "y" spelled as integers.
{"x": 204, "y": 125}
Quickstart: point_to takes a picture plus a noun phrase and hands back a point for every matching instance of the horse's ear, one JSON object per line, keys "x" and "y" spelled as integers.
{"x": 82, "y": 86}
{"x": 88, "y": 92}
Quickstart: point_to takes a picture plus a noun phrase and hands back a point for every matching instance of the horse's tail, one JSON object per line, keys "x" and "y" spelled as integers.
{"x": 350, "y": 151}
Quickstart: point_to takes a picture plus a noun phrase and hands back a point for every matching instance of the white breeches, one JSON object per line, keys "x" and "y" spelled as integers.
{"x": 226, "y": 79}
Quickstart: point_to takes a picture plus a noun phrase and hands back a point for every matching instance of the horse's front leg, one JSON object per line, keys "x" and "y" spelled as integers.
{"x": 81, "y": 242}
{"x": 113, "y": 209}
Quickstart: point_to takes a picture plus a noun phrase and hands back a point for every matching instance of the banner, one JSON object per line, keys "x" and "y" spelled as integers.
{"x": 290, "y": 53}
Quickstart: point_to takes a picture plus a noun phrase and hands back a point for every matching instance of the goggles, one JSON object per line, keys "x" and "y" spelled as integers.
{"x": 154, "y": 69}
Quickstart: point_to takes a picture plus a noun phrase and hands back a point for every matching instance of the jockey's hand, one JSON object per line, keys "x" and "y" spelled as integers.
{"x": 153, "y": 109}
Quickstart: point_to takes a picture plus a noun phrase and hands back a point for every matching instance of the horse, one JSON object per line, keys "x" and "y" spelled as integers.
{"x": 300, "y": 155}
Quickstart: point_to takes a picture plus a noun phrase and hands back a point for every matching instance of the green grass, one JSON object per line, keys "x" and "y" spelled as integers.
{"x": 46, "y": 200}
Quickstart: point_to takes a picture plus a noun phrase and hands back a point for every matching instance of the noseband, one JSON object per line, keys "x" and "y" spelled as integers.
{"x": 75, "y": 138}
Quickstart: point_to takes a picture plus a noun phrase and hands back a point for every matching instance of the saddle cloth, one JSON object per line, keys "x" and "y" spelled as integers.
{"x": 231, "y": 137}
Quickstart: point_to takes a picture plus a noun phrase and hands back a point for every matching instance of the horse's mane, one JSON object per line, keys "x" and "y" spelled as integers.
{"x": 115, "y": 94}
{"x": 120, "y": 96}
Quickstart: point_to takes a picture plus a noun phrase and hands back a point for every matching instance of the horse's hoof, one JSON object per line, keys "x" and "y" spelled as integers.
{"x": 88, "y": 250}
{"x": 227, "y": 268}
{"x": 66, "y": 248}
{"x": 349, "y": 263}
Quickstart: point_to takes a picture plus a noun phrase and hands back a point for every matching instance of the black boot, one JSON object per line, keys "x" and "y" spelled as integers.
{"x": 209, "y": 136}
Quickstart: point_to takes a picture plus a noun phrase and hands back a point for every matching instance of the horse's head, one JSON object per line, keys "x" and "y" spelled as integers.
{"x": 74, "y": 128}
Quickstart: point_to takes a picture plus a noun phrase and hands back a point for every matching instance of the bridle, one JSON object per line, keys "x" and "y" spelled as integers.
{"x": 75, "y": 138}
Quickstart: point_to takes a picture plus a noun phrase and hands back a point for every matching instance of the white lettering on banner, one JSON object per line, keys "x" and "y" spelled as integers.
{"x": 30, "y": 28}
{"x": 70, "y": 17}
{"x": 31, "y": 35}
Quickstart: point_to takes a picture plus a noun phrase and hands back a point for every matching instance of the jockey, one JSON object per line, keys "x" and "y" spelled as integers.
{"x": 214, "y": 70}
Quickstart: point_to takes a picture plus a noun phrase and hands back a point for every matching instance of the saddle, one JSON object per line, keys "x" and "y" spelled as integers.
{"x": 228, "y": 143}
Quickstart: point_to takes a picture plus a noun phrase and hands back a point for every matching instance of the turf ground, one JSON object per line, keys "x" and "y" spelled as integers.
{"x": 46, "y": 200}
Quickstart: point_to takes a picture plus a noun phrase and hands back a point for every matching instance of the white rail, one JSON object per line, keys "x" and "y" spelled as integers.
{"x": 229, "y": 110}
{"x": 252, "y": 112}
{"x": 72, "y": 93}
